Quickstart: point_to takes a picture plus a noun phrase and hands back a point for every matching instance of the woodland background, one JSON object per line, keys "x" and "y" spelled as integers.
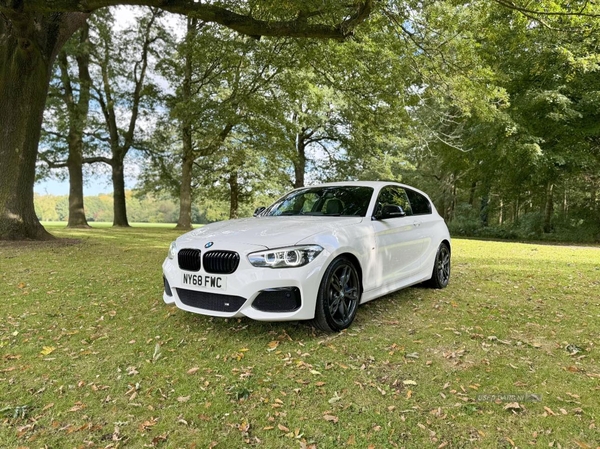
{"x": 492, "y": 111}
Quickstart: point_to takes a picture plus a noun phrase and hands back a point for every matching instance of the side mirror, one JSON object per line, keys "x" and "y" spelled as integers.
{"x": 258, "y": 211}
{"x": 391, "y": 211}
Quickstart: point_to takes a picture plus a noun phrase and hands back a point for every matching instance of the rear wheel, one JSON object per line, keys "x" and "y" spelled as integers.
{"x": 441, "y": 268}
{"x": 338, "y": 297}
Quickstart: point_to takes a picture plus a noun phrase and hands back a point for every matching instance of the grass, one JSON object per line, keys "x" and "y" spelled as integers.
{"x": 90, "y": 356}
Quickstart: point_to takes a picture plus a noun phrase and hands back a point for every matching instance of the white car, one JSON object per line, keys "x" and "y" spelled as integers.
{"x": 315, "y": 254}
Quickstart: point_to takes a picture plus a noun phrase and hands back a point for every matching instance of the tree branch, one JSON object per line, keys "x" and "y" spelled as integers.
{"x": 242, "y": 23}
{"x": 94, "y": 160}
{"x": 536, "y": 12}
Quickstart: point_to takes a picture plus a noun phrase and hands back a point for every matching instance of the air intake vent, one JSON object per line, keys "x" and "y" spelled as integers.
{"x": 189, "y": 259}
{"x": 221, "y": 262}
{"x": 210, "y": 301}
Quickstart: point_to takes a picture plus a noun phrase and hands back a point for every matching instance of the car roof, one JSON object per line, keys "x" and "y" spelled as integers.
{"x": 376, "y": 185}
{"x": 373, "y": 184}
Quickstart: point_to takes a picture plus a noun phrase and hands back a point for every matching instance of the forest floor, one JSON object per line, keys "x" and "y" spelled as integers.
{"x": 507, "y": 356}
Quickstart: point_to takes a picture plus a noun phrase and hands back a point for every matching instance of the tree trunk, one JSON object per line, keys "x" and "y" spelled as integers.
{"x": 235, "y": 194}
{"x": 484, "y": 209}
{"x": 78, "y": 112}
{"x": 119, "y": 202}
{"x": 28, "y": 47}
{"x": 185, "y": 191}
{"x": 300, "y": 161}
{"x": 75, "y": 165}
{"x": 472, "y": 192}
{"x": 549, "y": 208}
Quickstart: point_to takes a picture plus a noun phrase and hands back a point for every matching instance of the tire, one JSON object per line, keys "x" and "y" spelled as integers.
{"x": 441, "y": 268}
{"x": 338, "y": 297}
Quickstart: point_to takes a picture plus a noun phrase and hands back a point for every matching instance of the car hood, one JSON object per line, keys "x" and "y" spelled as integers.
{"x": 265, "y": 232}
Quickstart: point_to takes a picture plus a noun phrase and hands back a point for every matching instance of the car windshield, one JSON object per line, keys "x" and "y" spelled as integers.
{"x": 338, "y": 201}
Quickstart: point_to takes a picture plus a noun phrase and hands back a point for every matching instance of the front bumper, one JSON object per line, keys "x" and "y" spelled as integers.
{"x": 263, "y": 294}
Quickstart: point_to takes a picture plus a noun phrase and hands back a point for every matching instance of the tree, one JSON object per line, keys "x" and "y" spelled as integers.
{"x": 221, "y": 81}
{"x": 67, "y": 112}
{"x": 121, "y": 84}
{"x": 32, "y": 34}
{"x": 27, "y": 52}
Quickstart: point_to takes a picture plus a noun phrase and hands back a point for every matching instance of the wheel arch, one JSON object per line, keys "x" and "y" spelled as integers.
{"x": 352, "y": 258}
{"x": 447, "y": 243}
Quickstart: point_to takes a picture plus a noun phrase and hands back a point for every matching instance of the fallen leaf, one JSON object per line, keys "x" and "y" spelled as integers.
{"x": 47, "y": 350}
{"x": 512, "y": 406}
{"x": 244, "y": 426}
{"x": 331, "y": 418}
{"x": 193, "y": 370}
{"x": 157, "y": 439}
{"x": 273, "y": 345}
{"x": 550, "y": 412}
{"x": 335, "y": 398}
{"x": 148, "y": 423}
{"x": 282, "y": 428}
{"x": 183, "y": 398}
{"x": 409, "y": 382}
{"x": 78, "y": 406}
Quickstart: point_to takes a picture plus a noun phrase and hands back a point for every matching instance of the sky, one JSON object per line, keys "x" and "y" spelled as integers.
{"x": 101, "y": 183}
{"x": 93, "y": 187}
{"x": 59, "y": 188}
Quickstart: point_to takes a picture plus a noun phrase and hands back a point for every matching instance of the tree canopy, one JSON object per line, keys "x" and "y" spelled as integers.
{"x": 489, "y": 105}
{"x": 32, "y": 34}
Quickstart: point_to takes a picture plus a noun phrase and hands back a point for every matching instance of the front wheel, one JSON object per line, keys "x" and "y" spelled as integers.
{"x": 338, "y": 297}
{"x": 441, "y": 268}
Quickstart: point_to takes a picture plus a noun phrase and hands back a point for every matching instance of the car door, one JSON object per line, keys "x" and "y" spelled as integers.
{"x": 398, "y": 240}
{"x": 422, "y": 211}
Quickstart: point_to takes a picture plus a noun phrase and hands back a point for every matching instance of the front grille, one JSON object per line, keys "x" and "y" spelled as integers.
{"x": 210, "y": 301}
{"x": 221, "y": 262}
{"x": 278, "y": 300}
{"x": 189, "y": 259}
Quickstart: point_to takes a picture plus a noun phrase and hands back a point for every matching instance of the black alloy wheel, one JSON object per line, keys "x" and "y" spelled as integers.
{"x": 441, "y": 268}
{"x": 338, "y": 297}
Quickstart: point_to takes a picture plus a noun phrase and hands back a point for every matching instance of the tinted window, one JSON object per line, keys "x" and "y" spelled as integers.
{"x": 393, "y": 196}
{"x": 332, "y": 201}
{"x": 420, "y": 205}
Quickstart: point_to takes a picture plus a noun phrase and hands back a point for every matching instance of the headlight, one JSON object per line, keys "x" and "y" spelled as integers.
{"x": 285, "y": 257}
{"x": 172, "y": 250}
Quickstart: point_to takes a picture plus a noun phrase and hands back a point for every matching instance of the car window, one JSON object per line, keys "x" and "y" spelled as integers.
{"x": 393, "y": 196}
{"x": 420, "y": 204}
{"x": 333, "y": 201}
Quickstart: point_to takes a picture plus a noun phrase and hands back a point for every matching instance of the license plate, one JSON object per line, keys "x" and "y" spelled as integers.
{"x": 205, "y": 281}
